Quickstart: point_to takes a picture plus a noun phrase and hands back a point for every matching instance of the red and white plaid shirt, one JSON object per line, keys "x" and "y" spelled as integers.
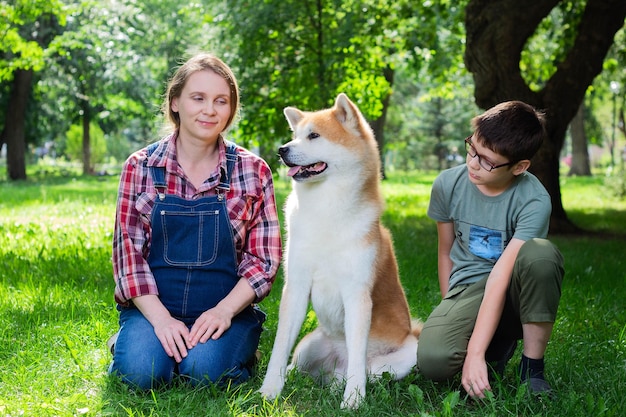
{"x": 251, "y": 207}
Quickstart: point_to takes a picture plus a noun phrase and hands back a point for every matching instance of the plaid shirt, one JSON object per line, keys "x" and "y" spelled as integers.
{"x": 251, "y": 208}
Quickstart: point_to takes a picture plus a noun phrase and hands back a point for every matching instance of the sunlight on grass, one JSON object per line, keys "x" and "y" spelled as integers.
{"x": 57, "y": 311}
{"x": 592, "y": 206}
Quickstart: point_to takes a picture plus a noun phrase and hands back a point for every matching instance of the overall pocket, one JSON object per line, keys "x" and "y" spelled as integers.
{"x": 190, "y": 238}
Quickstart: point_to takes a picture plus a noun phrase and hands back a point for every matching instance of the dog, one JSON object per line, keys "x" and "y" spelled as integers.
{"x": 339, "y": 257}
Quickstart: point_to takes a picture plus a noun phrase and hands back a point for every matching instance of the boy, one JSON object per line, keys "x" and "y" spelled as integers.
{"x": 499, "y": 277}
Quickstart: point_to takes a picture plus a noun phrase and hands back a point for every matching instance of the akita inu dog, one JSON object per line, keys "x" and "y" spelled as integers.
{"x": 339, "y": 257}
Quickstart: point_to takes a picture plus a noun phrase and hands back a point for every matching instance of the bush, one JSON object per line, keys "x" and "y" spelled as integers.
{"x": 615, "y": 182}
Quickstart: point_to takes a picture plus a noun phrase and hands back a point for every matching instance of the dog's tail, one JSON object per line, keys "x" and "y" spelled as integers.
{"x": 416, "y": 327}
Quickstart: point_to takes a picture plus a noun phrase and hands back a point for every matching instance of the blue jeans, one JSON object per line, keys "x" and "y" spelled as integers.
{"x": 140, "y": 360}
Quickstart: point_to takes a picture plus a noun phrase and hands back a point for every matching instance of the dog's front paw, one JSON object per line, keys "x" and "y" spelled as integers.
{"x": 352, "y": 396}
{"x": 271, "y": 389}
{"x": 351, "y": 403}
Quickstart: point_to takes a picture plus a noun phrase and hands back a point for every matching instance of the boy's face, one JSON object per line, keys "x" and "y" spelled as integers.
{"x": 490, "y": 171}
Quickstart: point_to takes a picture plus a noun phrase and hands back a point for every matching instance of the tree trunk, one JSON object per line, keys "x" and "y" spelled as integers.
{"x": 579, "y": 164}
{"x": 14, "y": 131}
{"x": 378, "y": 125}
{"x": 87, "y": 167}
{"x": 621, "y": 127}
{"x": 496, "y": 35}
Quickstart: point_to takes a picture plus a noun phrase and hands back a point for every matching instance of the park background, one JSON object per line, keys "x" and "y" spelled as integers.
{"x": 81, "y": 83}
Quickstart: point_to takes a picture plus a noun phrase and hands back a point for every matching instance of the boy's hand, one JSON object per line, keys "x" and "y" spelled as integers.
{"x": 475, "y": 379}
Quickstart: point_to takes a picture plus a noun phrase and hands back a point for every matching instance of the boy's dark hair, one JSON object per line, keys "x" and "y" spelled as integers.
{"x": 512, "y": 129}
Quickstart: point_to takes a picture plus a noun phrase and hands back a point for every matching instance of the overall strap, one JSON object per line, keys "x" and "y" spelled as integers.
{"x": 231, "y": 158}
{"x": 157, "y": 173}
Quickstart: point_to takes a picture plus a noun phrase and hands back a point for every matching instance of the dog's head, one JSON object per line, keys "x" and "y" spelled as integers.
{"x": 327, "y": 140}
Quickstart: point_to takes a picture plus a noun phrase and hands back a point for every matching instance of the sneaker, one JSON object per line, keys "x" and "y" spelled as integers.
{"x": 111, "y": 342}
{"x": 538, "y": 386}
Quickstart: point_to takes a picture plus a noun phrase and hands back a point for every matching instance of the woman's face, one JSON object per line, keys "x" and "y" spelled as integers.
{"x": 203, "y": 106}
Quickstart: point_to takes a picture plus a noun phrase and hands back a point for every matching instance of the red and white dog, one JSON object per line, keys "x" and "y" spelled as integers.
{"x": 340, "y": 258}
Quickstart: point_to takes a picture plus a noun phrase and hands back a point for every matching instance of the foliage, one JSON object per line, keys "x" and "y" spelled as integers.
{"x": 114, "y": 59}
{"x": 109, "y": 61}
{"x": 304, "y": 53}
{"x": 57, "y": 311}
{"x": 424, "y": 131}
{"x": 548, "y": 46}
{"x": 432, "y": 102}
{"x": 21, "y": 25}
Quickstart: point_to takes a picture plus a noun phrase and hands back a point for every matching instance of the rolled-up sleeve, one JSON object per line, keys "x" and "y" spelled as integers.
{"x": 259, "y": 235}
{"x": 131, "y": 237}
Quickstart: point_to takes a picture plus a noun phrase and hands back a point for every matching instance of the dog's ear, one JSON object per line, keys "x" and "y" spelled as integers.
{"x": 293, "y": 116}
{"x": 347, "y": 112}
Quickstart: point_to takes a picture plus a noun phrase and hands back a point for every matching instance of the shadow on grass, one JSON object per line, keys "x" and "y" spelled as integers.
{"x": 606, "y": 223}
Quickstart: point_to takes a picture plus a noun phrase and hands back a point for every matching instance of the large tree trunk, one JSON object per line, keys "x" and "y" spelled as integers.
{"x": 496, "y": 35}
{"x": 579, "y": 164}
{"x": 14, "y": 132}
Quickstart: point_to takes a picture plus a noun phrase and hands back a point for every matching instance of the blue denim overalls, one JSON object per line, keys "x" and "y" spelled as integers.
{"x": 192, "y": 256}
{"x": 193, "y": 260}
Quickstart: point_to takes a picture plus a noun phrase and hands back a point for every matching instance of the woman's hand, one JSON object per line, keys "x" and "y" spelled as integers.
{"x": 211, "y": 324}
{"x": 214, "y": 322}
{"x": 174, "y": 337}
{"x": 172, "y": 333}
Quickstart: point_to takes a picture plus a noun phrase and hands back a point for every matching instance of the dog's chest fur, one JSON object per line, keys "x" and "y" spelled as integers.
{"x": 328, "y": 227}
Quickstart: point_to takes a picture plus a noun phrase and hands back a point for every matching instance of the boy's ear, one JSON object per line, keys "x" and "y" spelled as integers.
{"x": 521, "y": 166}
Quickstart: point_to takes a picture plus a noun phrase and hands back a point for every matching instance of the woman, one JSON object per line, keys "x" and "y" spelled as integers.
{"x": 196, "y": 241}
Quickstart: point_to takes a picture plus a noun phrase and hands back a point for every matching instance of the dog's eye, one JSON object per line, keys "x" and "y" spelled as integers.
{"x": 313, "y": 135}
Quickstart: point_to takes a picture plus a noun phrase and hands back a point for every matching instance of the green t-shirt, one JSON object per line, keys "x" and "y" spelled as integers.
{"x": 484, "y": 225}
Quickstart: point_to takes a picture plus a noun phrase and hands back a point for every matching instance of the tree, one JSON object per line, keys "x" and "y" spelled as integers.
{"x": 86, "y": 57}
{"x": 27, "y": 28}
{"x": 579, "y": 164}
{"x": 111, "y": 65}
{"x": 302, "y": 53}
{"x": 296, "y": 53}
{"x": 496, "y": 35}
{"x": 74, "y": 144}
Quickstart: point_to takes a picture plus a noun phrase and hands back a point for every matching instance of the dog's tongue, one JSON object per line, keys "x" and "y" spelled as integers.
{"x": 293, "y": 170}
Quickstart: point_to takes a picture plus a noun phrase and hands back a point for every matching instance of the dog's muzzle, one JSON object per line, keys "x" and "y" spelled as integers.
{"x": 300, "y": 172}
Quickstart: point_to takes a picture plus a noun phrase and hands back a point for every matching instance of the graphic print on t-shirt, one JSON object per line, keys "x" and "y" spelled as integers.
{"x": 485, "y": 243}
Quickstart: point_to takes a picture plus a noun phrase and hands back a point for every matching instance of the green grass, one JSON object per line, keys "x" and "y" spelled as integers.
{"x": 57, "y": 311}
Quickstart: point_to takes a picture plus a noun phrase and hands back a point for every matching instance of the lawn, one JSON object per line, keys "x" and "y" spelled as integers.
{"x": 57, "y": 311}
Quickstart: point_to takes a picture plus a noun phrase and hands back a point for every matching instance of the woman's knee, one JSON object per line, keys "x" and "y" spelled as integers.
{"x": 139, "y": 358}
{"x": 231, "y": 358}
{"x": 142, "y": 373}
{"x": 225, "y": 360}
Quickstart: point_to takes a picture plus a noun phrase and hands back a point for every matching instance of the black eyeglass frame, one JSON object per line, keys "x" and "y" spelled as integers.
{"x": 471, "y": 151}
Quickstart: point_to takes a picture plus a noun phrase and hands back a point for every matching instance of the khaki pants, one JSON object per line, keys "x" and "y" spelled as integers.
{"x": 533, "y": 296}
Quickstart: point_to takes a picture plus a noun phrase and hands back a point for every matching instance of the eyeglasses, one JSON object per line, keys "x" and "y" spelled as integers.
{"x": 486, "y": 165}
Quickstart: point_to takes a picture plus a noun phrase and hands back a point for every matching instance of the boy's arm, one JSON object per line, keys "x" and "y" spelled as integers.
{"x": 445, "y": 234}
{"x": 474, "y": 377}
